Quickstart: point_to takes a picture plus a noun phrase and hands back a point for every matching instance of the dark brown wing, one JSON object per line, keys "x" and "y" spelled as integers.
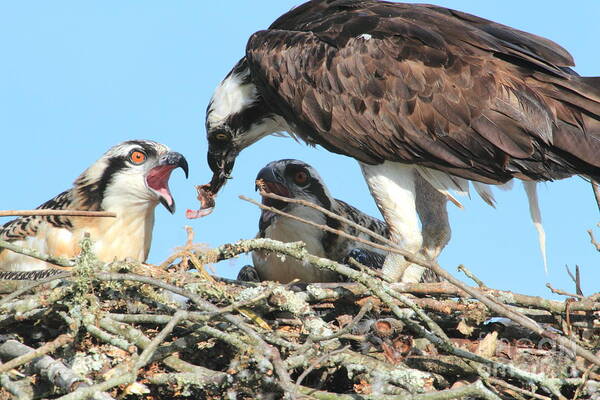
{"x": 422, "y": 84}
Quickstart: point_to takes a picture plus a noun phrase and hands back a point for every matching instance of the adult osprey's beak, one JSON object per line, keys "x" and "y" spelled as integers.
{"x": 221, "y": 162}
{"x": 157, "y": 178}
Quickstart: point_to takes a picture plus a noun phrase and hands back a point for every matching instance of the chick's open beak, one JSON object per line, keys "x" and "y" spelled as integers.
{"x": 157, "y": 178}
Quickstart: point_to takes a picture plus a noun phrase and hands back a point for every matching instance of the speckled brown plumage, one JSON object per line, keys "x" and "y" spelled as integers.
{"x": 29, "y": 275}
{"x": 23, "y": 227}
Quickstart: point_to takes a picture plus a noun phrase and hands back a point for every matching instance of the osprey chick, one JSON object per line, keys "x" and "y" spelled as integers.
{"x": 130, "y": 179}
{"x": 298, "y": 180}
{"x": 411, "y": 90}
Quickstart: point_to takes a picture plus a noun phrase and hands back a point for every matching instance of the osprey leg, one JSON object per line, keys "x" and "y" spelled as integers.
{"x": 393, "y": 188}
{"x": 435, "y": 227}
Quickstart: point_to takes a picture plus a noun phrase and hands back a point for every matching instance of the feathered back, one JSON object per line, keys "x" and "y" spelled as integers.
{"x": 432, "y": 86}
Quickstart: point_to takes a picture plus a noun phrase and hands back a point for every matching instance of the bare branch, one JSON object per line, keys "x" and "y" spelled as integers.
{"x": 325, "y": 227}
{"x": 353, "y": 224}
{"x": 361, "y": 313}
{"x": 563, "y": 293}
{"x": 469, "y": 274}
{"x": 593, "y": 240}
{"x": 60, "y": 213}
{"x": 247, "y": 339}
{"x": 151, "y": 348}
{"x": 201, "y": 378}
{"x": 266, "y": 352}
{"x": 476, "y": 389}
{"x": 383, "y": 291}
{"x": 14, "y": 388}
{"x": 317, "y": 362}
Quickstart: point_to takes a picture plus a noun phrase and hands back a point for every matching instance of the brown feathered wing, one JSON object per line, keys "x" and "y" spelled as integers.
{"x": 429, "y": 86}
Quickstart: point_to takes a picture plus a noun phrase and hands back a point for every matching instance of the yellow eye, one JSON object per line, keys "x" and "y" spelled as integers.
{"x": 301, "y": 177}
{"x": 137, "y": 157}
{"x": 221, "y": 136}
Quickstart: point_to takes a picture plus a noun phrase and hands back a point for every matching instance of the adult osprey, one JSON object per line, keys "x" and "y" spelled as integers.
{"x": 298, "y": 180}
{"x": 410, "y": 89}
{"x": 130, "y": 179}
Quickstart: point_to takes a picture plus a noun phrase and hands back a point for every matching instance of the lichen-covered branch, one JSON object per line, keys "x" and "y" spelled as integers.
{"x": 296, "y": 250}
{"x": 320, "y": 291}
{"x": 369, "y": 339}
{"x": 52, "y": 370}
{"x": 14, "y": 388}
{"x": 433, "y": 266}
{"x": 28, "y": 356}
{"x": 477, "y": 390}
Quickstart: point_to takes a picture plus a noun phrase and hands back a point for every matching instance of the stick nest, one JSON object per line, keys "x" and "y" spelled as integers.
{"x": 128, "y": 330}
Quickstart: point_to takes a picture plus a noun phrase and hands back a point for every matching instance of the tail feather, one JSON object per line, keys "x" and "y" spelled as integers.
{"x": 444, "y": 183}
{"x": 507, "y": 186}
{"x": 536, "y": 217}
{"x": 485, "y": 192}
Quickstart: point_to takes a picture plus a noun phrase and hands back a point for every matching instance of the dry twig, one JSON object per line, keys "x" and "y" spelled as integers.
{"x": 593, "y": 240}
{"x": 563, "y": 293}
{"x": 60, "y": 213}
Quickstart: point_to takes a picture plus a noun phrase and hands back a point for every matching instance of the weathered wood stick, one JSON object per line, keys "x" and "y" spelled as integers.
{"x": 60, "y": 213}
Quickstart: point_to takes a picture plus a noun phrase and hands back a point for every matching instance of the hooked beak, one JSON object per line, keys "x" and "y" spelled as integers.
{"x": 270, "y": 181}
{"x": 221, "y": 163}
{"x": 157, "y": 178}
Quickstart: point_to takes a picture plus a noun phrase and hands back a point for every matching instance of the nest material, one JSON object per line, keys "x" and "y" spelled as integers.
{"x": 126, "y": 330}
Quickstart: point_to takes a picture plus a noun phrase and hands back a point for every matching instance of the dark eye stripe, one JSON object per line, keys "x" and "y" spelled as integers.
{"x": 93, "y": 193}
{"x": 313, "y": 185}
{"x": 318, "y": 191}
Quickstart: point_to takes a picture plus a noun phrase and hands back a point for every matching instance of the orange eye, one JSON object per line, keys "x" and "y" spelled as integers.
{"x": 137, "y": 157}
{"x": 301, "y": 177}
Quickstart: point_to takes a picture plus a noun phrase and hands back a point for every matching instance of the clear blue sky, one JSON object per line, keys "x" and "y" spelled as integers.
{"x": 78, "y": 77}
